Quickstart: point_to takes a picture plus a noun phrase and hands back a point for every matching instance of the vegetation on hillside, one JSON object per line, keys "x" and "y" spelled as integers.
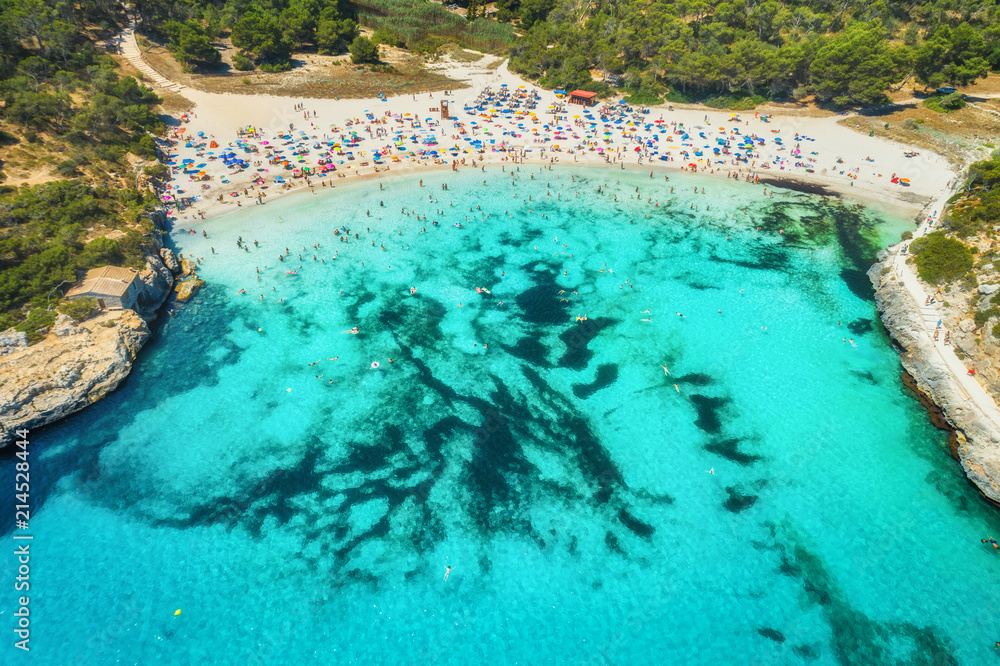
{"x": 845, "y": 52}
{"x": 979, "y": 207}
{"x": 265, "y": 32}
{"x": 940, "y": 258}
{"x": 425, "y": 26}
{"x": 268, "y": 33}
{"x": 732, "y": 53}
{"x": 63, "y": 97}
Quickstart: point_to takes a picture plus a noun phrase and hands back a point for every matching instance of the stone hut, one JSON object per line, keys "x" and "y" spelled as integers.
{"x": 113, "y": 287}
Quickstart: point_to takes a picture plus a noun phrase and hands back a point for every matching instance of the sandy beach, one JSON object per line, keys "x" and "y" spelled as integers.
{"x": 489, "y": 131}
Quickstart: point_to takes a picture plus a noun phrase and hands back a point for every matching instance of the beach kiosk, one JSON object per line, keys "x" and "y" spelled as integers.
{"x": 584, "y": 97}
{"x": 444, "y": 110}
{"x": 113, "y": 287}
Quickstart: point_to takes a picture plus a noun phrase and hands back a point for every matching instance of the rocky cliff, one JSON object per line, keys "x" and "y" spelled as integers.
{"x": 78, "y": 364}
{"x": 73, "y": 367}
{"x": 978, "y": 447}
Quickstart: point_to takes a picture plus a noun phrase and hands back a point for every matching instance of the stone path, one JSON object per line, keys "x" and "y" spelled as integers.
{"x": 130, "y": 49}
{"x": 931, "y": 314}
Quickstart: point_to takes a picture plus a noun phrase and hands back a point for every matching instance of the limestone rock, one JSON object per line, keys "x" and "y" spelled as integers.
{"x": 64, "y": 326}
{"x": 61, "y": 375}
{"x": 988, "y": 289}
{"x": 11, "y": 341}
{"x": 188, "y": 267}
{"x": 186, "y": 289}
{"x": 170, "y": 259}
{"x": 967, "y": 325}
{"x": 978, "y": 438}
{"x": 157, "y": 281}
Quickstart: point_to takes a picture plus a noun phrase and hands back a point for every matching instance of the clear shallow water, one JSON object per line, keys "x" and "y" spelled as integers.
{"x": 559, "y": 471}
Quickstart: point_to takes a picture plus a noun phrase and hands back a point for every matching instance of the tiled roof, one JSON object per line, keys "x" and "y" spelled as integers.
{"x": 107, "y": 280}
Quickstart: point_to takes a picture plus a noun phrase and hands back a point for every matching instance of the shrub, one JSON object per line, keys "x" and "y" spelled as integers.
{"x": 66, "y": 169}
{"x": 280, "y": 66}
{"x": 945, "y": 103}
{"x": 941, "y": 259}
{"x": 78, "y": 309}
{"x": 678, "y": 97}
{"x": 389, "y": 37}
{"x": 37, "y": 320}
{"x": 983, "y": 316}
{"x": 910, "y": 124}
{"x": 242, "y": 63}
{"x": 158, "y": 171}
{"x": 363, "y": 50}
{"x": 645, "y": 97}
{"x": 952, "y": 102}
{"x": 996, "y": 330}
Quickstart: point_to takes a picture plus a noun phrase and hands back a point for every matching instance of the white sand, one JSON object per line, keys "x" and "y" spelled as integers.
{"x": 219, "y": 116}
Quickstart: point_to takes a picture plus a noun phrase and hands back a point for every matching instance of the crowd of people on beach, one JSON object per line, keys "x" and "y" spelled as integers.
{"x": 496, "y": 125}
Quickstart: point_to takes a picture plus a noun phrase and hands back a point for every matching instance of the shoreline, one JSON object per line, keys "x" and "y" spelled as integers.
{"x": 936, "y": 370}
{"x": 204, "y": 210}
{"x": 793, "y": 152}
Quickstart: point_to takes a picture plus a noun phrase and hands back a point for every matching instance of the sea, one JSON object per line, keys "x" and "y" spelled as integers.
{"x": 514, "y": 416}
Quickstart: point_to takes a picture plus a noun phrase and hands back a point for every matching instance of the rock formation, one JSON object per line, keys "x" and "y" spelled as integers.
{"x": 79, "y": 365}
{"x": 978, "y": 447}
{"x": 185, "y": 290}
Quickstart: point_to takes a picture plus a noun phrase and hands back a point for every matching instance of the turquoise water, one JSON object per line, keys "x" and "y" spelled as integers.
{"x": 303, "y": 513}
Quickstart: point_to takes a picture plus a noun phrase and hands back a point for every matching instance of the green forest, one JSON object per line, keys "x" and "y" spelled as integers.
{"x": 844, "y": 52}
{"x": 267, "y": 33}
{"x": 62, "y": 96}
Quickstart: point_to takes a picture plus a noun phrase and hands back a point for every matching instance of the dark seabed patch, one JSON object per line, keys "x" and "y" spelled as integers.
{"x": 858, "y": 282}
{"x": 806, "y": 652}
{"x": 730, "y": 450}
{"x": 695, "y": 379}
{"x": 540, "y": 303}
{"x": 865, "y": 376}
{"x": 636, "y": 526}
{"x": 737, "y": 501}
{"x": 800, "y": 186}
{"x": 529, "y": 349}
{"x": 577, "y": 338}
{"x": 861, "y": 326}
{"x": 611, "y": 541}
{"x": 708, "y": 409}
{"x": 607, "y": 374}
{"x": 859, "y": 250}
{"x": 773, "y": 634}
{"x": 855, "y": 637}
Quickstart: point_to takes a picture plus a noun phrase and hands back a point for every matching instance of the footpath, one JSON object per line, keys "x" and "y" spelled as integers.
{"x": 931, "y": 314}
{"x": 129, "y": 48}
